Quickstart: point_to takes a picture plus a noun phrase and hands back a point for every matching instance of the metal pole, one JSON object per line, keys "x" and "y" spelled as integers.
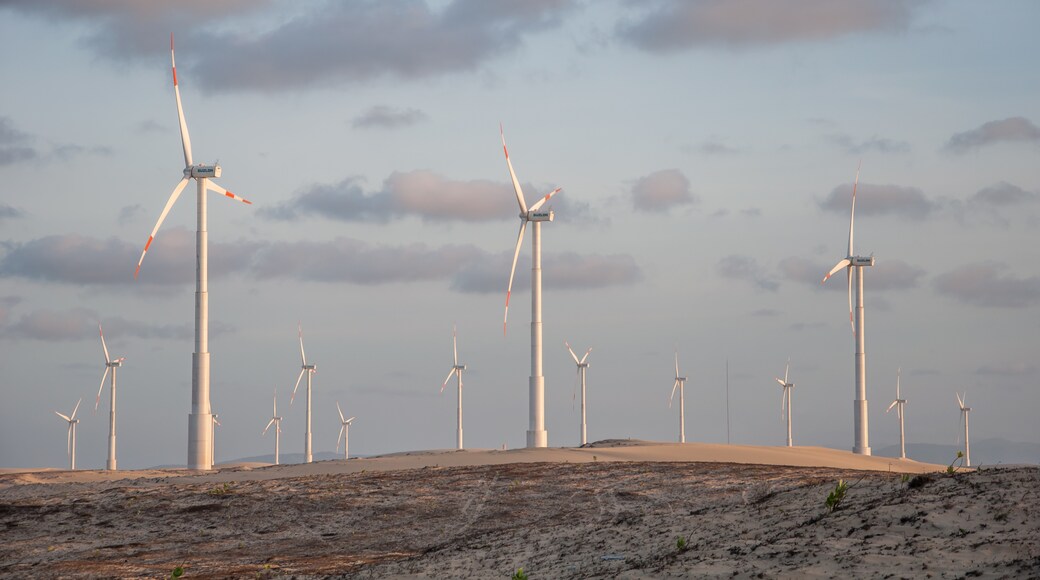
{"x": 200, "y": 420}
{"x": 111, "y": 463}
{"x": 862, "y": 446}
{"x": 536, "y": 435}
{"x": 308, "y": 457}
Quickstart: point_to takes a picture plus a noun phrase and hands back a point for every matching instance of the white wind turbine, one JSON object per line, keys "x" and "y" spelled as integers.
{"x": 110, "y": 365}
{"x": 537, "y": 436}
{"x": 582, "y": 368}
{"x": 862, "y": 431}
{"x": 964, "y": 418}
{"x": 680, "y": 383}
{"x": 277, "y": 422}
{"x": 344, "y": 433}
{"x": 71, "y": 446}
{"x": 200, "y": 426}
{"x": 309, "y": 370}
{"x": 785, "y": 401}
{"x": 456, "y": 370}
{"x": 898, "y": 404}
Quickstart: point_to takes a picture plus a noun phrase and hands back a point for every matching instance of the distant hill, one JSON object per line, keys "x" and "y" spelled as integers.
{"x": 983, "y": 452}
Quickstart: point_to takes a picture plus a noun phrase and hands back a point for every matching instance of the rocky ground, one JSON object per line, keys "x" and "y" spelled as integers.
{"x": 554, "y": 520}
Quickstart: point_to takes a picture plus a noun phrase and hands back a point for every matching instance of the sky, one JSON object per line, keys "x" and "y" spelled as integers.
{"x": 706, "y": 152}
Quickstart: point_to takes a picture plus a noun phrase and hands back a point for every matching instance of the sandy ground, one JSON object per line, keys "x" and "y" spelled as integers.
{"x": 616, "y": 510}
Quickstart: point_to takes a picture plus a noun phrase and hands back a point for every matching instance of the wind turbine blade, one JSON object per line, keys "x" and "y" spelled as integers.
{"x": 162, "y": 217}
{"x": 76, "y": 408}
{"x": 894, "y": 403}
{"x": 68, "y": 442}
{"x": 960, "y": 401}
{"x": 298, "y": 379}
{"x": 852, "y": 219}
{"x": 303, "y": 355}
{"x": 512, "y": 272}
{"x": 899, "y": 371}
{"x": 448, "y": 378}
{"x": 62, "y": 416}
{"x": 455, "y": 344}
{"x": 547, "y": 197}
{"x": 677, "y": 364}
{"x": 512, "y": 174}
{"x": 783, "y": 403}
{"x": 275, "y": 414}
{"x": 339, "y": 438}
{"x": 103, "y": 377}
{"x": 586, "y": 355}
{"x": 786, "y": 370}
{"x": 350, "y": 420}
{"x": 782, "y": 383}
{"x": 210, "y": 184}
{"x": 670, "y": 397}
{"x": 852, "y": 321}
{"x": 573, "y": 356}
{"x": 842, "y": 264}
{"x": 340, "y": 412}
{"x": 269, "y": 423}
{"x": 185, "y": 140}
{"x": 103, "y": 345}
{"x": 215, "y": 422}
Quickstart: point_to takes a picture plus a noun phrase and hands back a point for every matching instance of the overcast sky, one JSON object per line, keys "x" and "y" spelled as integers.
{"x": 706, "y": 152}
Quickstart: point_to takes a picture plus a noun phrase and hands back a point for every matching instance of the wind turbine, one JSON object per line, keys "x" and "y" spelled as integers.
{"x": 277, "y": 422}
{"x": 680, "y": 383}
{"x": 851, "y": 260}
{"x": 537, "y": 436}
{"x": 213, "y": 441}
{"x": 200, "y": 426}
{"x": 898, "y": 404}
{"x": 310, "y": 370}
{"x": 344, "y": 433}
{"x": 110, "y": 365}
{"x": 785, "y": 401}
{"x": 964, "y": 417}
{"x": 456, "y": 370}
{"x": 71, "y": 447}
{"x": 582, "y": 367}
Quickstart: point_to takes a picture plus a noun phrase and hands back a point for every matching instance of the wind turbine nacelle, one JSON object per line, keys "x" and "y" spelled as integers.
{"x": 204, "y": 171}
{"x": 541, "y": 216}
{"x": 858, "y": 261}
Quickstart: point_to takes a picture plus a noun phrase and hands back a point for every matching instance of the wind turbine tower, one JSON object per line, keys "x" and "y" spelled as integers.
{"x": 277, "y": 422}
{"x": 582, "y": 367}
{"x": 71, "y": 444}
{"x": 898, "y": 404}
{"x": 961, "y": 400}
{"x": 344, "y": 433}
{"x": 785, "y": 401}
{"x": 213, "y": 441}
{"x": 680, "y": 383}
{"x": 537, "y": 436}
{"x": 309, "y": 369}
{"x": 200, "y": 424}
{"x": 110, "y": 365}
{"x": 850, "y": 262}
{"x": 456, "y": 370}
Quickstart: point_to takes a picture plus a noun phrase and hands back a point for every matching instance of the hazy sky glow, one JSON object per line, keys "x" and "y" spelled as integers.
{"x": 706, "y": 152}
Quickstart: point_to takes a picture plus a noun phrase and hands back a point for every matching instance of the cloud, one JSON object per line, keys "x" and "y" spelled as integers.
{"x": 81, "y": 323}
{"x": 129, "y": 212}
{"x": 68, "y": 151}
{"x": 887, "y": 274}
{"x": 662, "y": 190}
{"x": 745, "y": 268}
{"x": 8, "y": 212}
{"x": 907, "y": 202}
{"x": 765, "y": 312}
{"x": 1012, "y": 129}
{"x": 712, "y": 146}
{"x": 80, "y": 260}
{"x": 874, "y": 143}
{"x": 988, "y": 284}
{"x": 306, "y": 44}
{"x": 14, "y": 146}
{"x": 1004, "y": 194}
{"x": 383, "y": 117}
{"x": 673, "y": 25}
{"x": 1019, "y": 369}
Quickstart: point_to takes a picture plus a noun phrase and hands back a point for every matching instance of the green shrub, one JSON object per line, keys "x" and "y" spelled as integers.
{"x": 835, "y": 497}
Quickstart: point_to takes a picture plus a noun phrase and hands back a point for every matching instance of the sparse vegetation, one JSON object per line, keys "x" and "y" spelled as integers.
{"x": 519, "y": 574}
{"x": 951, "y": 469}
{"x": 177, "y": 572}
{"x": 681, "y": 544}
{"x": 905, "y": 478}
{"x": 221, "y": 489}
{"x": 835, "y": 497}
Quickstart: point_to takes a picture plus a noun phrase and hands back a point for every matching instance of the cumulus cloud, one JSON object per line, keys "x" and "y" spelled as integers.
{"x": 80, "y": 260}
{"x": 886, "y": 274}
{"x": 988, "y": 284}
{"x": 873, "y": 144}
{"x": 907, "y": 202}
{"x": 1012, "y": 129}
{"x": 662, "y": 190}
{"x": 1004, "y": 194}
{"x": 14, "y": 144}
{"x": 736, "y": 267}
{"x": 309, "y": 44}
{"x": 672, "y": 25}
{"x": 8, "y": 212}
{"x": 384, "y": 117}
